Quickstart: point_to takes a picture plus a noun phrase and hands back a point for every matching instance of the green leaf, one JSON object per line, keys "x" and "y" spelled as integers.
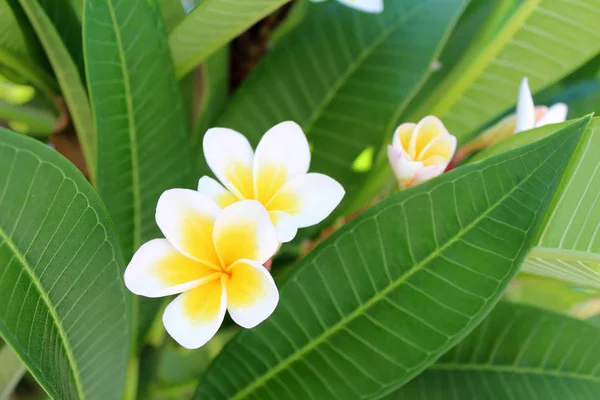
{"x": 15, "y": 57}
{"x": 347, "y": 81}
{"x": 172, "y": 12}
{"x": 72, "y": 87}
{"x": 215, "y": 92}
{"x": 568, "y": 248}
{"x": 399, "y": 285}
{"x": 211, "y": 25}
{"x": 143, "y": 146}
{"x": 544, "y": 40}
{"x": 11, "y": 371}
{"x": 64, "y": 304}
{"x": 569, "y": 244}
{"x": 518, "y": 353}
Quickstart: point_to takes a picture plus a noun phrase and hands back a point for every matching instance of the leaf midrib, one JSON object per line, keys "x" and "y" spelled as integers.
{"x": 393, "y": 285}
{"x": 61, "y": 331}
{"x": 137, "y": 223}
{"x": 537, "y": 371}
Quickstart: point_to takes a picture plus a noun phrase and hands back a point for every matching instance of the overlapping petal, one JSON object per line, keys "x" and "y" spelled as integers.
{"x": 281, "y": 155}
{"x": 157, "y": 269}
{"x": 186, "y": 218}
{"x": 370, "y": 6}
{"x": 230, "y": 157}
{"x": 251, "y": 293}
{"x": 525, "y": 108}
{"x": 285, "y": 224}
{"x": 215, "y": 191}
{"x": 244, "y": 231}
{"x": 194, "y": 317}
{"x": 308, "y": 199}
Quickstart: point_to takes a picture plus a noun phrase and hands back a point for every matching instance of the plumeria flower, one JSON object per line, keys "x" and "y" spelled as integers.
{"x": 420, "y": 151}
{"x": 527, "y": 116}
{"x": 370, "y": 6}
{"x": 275, "y": 175}
{"x": 212, "y": 257}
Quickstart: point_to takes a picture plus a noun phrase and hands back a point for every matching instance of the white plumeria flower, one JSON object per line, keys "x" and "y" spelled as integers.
{"x": 370, "y": 6}
{"x": 212, "y": 257}
{"x": 275, "y": 175}
{"x": 420, "y": 151}
{"x": 529, "y": 116}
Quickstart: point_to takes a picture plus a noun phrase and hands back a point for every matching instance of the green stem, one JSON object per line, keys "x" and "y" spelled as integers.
{"x": 30, "y": 72}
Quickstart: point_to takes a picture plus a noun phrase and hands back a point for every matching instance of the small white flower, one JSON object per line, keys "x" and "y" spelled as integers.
{"x": 420, "y": 151}
{"x": 275, "y": 175}
{"x": 529, "y": 116}
{"x": 212, "y": 257}
{"x": 370, "y": 6}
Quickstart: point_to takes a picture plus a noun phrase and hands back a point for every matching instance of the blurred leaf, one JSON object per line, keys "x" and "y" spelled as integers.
{"x": 172, "y": 12}
{"x": 549, "y": 294}
{"x": 215, "y": 92}
{"x": 64, "y": 306}
{"x": 72, "y": 87}
{"x": 347, "y": 81}
{"x": 211, "y": 25}
{"x": 297, "y": 13}
{"x": 544, "y": 40}
{"x": 143, "y": 146}
{"x": 40, "y": 119}
{"x": 582, "y": 98}
{"x": 399, "y": 285}
{"x": 68, "y": 26}
{"x": 11, "y": 371}
{"x": 568, "y": 248}
{"x": 15, "y": 57}
{"x": 518, "y": 353}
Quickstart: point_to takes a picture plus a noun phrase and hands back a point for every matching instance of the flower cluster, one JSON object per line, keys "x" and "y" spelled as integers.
{"x": 218, "y": 237}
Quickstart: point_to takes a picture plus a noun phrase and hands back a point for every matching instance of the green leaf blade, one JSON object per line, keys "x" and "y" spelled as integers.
{"x": 11, "y": 371}
{"x": 64, "y": 305}
{"x": 395, "y": 288}
{"x": 138, "y": 112}
{"x": 211, "y": 25}
{"x": 519, "y": 353}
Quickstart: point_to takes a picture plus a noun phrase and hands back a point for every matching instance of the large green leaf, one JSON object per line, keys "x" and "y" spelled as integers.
{"x": 395, "y": 288}
{"x": 211, "y": 25}
{"x": 64, "y": 308}
{"x": 544, "y": 40}
{"x": 11, "y": 371}
{"x": 347, "y": 80}
{"x": 569, "y": 244}
{"x": 67, "y": 73}
{"x": 139, "y": 117}
{"x": 518, "y": 353}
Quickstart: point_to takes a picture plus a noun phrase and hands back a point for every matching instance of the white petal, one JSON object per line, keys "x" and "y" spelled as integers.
{"x": 555, "y": 114}
{"x": 403, "y": 169}
{"x": 186, "y": 218}
{"x": 194, "y": 317}
{"x": 229, "y": 155}
{"x": 309, "y": 198}
{"x": 157, "y": 269}
{"x": 285, "y": 224}
{"x": 281, "y": 155}
{"x": 251, "y": 293}
{"x": 525, "y": 108}
{"x": 244, "y": 231}
{"x": 215, "y": 191}
{"x": 371, "y": 6}
{"x": 427, "y": 173}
